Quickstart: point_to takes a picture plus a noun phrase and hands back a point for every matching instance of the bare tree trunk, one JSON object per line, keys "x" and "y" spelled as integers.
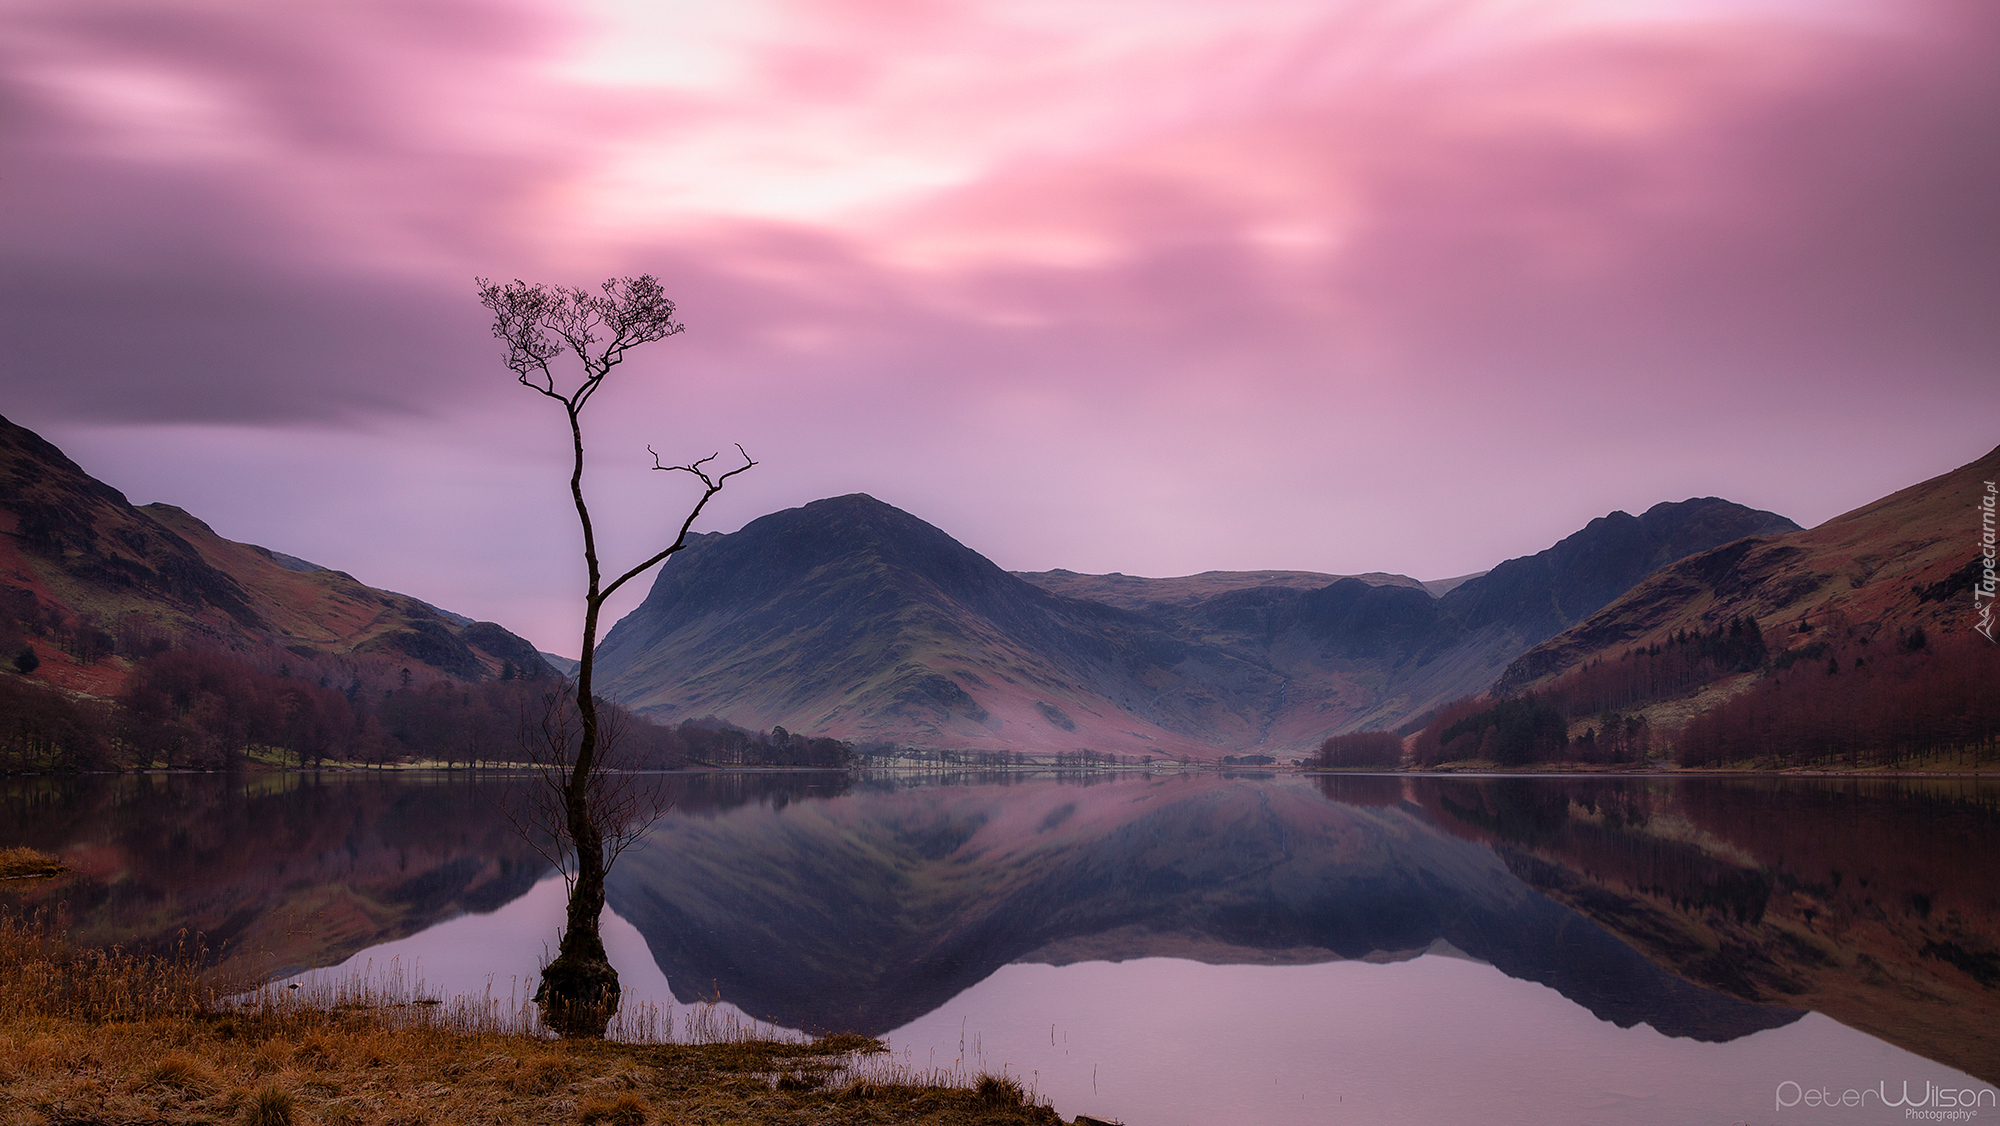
{"x": 579, "y": 989}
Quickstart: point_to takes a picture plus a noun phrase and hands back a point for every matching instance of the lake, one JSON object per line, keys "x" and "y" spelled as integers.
{"x": 1167, "y": 949}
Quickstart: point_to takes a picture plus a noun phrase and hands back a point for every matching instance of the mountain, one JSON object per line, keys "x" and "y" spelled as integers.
{"x": 849, "y": 617}
{"x": 1906, "y": 561}
{"x": 1357, "y": 654}
{"x": 1523, "y": 602}
{"x": 90, "y": 575}
{"x": 1540, "y": 595}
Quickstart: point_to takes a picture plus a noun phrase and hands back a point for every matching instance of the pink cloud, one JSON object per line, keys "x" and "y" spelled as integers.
{"x": 1222, "y": 286}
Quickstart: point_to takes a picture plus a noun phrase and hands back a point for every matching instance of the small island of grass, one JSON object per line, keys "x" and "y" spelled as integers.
{"x": 26, "y": 863}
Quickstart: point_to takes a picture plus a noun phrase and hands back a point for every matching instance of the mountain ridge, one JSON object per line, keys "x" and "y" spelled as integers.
{"x": 907, "y": 618}
{"x": 849, "y": 617}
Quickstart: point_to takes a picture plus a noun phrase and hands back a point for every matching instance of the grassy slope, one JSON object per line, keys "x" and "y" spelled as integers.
{"x": 354, "y": 1071}
{"x": 80, "y": 547}
{"x": 325, "y": 609}
{"x": 99, "y": 1036}
{"x": 93, "y": 1035}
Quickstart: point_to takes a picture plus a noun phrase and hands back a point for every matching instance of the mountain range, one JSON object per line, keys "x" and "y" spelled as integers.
{"x": 849, "y": 617}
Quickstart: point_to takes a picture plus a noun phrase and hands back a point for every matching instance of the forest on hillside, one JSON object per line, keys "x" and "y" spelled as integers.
{"x": 1855, "y": 699}
{"x": 1840, "y": 694}
{"x": 196, "y": 709}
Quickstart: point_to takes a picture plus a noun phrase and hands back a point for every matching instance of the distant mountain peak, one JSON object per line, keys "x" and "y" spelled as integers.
{"x": 1542, "y": 594}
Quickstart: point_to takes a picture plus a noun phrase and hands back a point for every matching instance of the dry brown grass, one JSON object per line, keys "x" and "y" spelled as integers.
{"x": 43, "y": 974}
{"x": 26, "y": 863}
{"x": 106, "y": 1036}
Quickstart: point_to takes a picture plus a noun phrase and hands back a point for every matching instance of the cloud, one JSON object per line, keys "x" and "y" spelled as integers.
{"x": 279, "y": 212}
{"x": 1084, "y": 277}
{"x": 236, "y": 213}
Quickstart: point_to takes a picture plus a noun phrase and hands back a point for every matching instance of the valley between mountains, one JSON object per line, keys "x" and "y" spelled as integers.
{"x": 851, "y": 619}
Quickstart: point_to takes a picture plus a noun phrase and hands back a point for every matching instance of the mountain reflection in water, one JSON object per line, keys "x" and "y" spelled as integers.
{"x": 868, "y": 912}
{"x": 1706, "y": 909}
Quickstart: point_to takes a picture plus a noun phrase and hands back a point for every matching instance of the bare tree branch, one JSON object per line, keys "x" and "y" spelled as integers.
{"x": 710, "y": 488}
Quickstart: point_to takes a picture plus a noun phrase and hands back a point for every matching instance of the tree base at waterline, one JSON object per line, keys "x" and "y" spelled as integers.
{"x": 578, "y": 996}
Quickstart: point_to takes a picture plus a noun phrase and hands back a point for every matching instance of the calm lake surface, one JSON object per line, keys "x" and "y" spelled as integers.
{"x": 1165, "y": 950}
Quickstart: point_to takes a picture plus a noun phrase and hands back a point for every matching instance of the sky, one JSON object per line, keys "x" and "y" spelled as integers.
{"x": 1154, "y": 287}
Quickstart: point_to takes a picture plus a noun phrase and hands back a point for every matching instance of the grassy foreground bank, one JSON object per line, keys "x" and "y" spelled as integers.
{"x": 102, "y": 1037}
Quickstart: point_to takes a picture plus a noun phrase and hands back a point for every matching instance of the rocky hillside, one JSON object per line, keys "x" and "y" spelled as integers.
{"x": 1906, "y": 561}
{"x": 88, "y": 579}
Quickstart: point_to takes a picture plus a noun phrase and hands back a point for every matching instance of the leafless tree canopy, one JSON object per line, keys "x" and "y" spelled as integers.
{"x": 541, "y": 322}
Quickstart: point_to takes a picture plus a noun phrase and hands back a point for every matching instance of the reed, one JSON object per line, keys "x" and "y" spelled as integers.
{"x": 43, "y": 974}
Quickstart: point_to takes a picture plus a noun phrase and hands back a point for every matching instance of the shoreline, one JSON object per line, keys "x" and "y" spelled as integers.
{"x": 365, "y": 1067}
{"x": 1649, "y": 772}
{"x": 1446, "y": 771}
{"x": 106, "y": 1035}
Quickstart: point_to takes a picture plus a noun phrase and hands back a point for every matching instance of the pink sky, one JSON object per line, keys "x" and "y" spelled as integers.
{"x": 1151, "y": 287}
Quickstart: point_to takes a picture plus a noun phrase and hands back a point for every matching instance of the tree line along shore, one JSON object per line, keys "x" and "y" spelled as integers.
{"x": 192, "y": 709}
{"x": 1841, "y": 697}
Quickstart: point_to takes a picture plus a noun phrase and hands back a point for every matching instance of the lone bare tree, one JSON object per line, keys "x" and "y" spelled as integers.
{"x": 540, "y": 324}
